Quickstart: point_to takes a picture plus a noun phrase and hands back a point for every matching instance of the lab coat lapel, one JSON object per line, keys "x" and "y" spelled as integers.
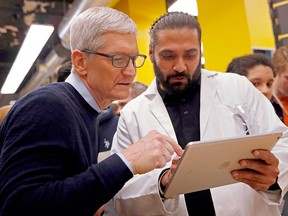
{"x": 158, "y": 109}
{"x": 207, "y": 98}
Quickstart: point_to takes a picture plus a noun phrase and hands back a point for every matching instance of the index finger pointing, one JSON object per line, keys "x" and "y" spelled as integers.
{"x": 177, "y": 148}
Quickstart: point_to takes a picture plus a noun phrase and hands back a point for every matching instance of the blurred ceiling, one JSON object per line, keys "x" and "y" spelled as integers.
{"x": 16, "y": 16}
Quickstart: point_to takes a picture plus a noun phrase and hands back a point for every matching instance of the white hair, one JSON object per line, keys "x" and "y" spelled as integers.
{"x": 87, "y": 29}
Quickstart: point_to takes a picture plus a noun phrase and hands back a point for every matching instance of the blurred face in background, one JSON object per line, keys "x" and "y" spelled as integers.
{"x": 119, "y": 104}
{"x": 262, "y": 78}
{"x": 281, "y": 83}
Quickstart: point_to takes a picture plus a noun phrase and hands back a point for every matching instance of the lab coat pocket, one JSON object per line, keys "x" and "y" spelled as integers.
{"x": 229, "y": 121}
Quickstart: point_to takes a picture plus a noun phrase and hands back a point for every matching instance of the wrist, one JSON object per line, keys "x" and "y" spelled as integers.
{"x": 162, "y": 185}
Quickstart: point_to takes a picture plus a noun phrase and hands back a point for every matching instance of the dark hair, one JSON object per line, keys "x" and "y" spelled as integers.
{"x": 174, "y": 20}
{"x": 242, "y": 64}
{"x": 64, "y": 71}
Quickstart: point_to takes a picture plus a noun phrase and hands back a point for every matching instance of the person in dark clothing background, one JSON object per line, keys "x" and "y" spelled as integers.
{"x": 51, "y": 139}
{"x": 64, "y": 71}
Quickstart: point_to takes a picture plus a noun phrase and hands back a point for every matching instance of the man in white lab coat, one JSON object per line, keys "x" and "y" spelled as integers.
{"x": 188, "y": 103}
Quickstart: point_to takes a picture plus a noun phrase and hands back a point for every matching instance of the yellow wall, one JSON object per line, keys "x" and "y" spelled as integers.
{"x": 260, "y": 24}
{"x": 232, "y": 28}
{"x": 144, "y": 13}
{"x": 225, "y": 31}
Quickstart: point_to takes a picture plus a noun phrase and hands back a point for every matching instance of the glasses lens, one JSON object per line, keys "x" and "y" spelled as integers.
{"x": 120, "y": 61}
{"x": 139, "y": 61}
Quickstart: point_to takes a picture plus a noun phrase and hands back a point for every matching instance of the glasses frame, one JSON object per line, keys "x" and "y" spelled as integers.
{"x": 113, "y": 55}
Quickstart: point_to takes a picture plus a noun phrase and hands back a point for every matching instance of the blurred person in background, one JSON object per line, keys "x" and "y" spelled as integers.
{"x": 136, "y": 89}
{"x": 280, "y": 87}
{"x": 3, "y": 111}
{"x": 64, "y": 71}
{"x": 280, "y": 92}
{"x": 258, "y": 69}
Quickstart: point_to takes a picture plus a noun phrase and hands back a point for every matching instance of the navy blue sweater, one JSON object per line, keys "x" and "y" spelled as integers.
{"x": 49, "y": 145}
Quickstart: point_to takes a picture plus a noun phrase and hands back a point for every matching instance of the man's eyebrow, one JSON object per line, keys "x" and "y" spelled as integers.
{"x": 192, "y": 50}
{"x": 172, "y": 51}
{"x": 166, "y": 51}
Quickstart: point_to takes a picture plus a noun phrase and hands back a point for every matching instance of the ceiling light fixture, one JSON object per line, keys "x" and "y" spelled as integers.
{"x": 187, "y": 6}
{"x": 34, "y": 42}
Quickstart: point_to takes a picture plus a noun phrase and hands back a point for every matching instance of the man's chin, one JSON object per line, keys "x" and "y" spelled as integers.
{"x": 178, "y": 87}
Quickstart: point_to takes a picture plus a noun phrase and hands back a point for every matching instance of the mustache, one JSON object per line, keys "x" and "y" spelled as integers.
{"x": 186, "y": 75}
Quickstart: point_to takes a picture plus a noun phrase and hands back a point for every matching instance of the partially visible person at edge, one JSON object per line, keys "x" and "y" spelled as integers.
{"x": 51, "y": 139}
{"x": 280, "y": 92}
{"x": 136, "y": 89}
{"x": 280, "y": 87}
{"x": 189, "y": 104}
{"x": 4, "y": 111}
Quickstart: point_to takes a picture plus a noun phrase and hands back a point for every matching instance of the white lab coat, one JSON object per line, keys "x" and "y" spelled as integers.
{"x": 223, "y": 98}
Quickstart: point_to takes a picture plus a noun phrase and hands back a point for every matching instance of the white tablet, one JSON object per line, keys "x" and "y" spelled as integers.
{"x": 209, "y": 164}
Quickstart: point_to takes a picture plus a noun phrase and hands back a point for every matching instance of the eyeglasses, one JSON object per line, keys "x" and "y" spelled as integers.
{"x": 121, "y": 60}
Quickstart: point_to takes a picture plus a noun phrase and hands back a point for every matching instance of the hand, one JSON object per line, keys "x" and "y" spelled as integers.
{"x": 259, "y": 173}
{"x": 168, "y": 175}
{"x": 152, "y": 151}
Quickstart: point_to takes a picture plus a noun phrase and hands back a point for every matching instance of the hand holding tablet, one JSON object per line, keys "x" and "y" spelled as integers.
{"x": 208, "y": 164}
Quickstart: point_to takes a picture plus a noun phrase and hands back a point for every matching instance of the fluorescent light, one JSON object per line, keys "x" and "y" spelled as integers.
{"x": 187, "y": 6}
{"x": 35, "y": 40}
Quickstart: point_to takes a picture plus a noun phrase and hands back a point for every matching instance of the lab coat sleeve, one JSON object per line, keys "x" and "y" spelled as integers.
{"x": 281, "y": 152}
{"x": 263, "y": 123}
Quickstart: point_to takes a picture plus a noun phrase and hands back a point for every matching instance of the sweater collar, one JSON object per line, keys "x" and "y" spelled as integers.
{"x": 77, "y": 83}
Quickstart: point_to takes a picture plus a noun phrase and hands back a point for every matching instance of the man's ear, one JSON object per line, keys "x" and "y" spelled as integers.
{"x": 79, "y": 60}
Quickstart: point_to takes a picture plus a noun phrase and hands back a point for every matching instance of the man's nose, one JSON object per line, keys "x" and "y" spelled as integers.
{"x": 180, "y": 65}
{"x": 130, "y": 70}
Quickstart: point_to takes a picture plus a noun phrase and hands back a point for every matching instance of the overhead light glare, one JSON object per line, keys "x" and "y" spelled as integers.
{"x": 187, "y": 6}
{"x": 33, "y": 44}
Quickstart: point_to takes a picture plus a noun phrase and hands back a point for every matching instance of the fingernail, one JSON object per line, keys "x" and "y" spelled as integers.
{"x": 256, "y": 153}
{"x": 243, "y": 163}
{"x": 235, "y": 175}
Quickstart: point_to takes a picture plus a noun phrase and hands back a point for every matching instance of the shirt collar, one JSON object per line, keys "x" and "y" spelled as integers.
{"x": 77, "y": 83}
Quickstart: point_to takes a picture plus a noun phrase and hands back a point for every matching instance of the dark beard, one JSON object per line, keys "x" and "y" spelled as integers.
{"x": 176, "y": 88}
